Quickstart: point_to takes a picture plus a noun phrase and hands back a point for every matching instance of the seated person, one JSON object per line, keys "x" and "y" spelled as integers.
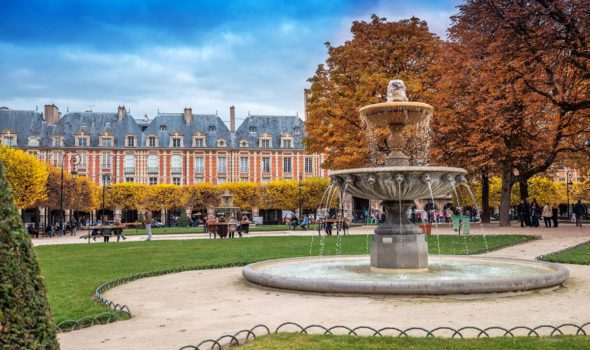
{"x": 222, "y": 229}
{"x": 233, "y": 227}
{"x": 245, "y": 224}
{"x": 31, "y": 230}
{"x": 212, "y": 226}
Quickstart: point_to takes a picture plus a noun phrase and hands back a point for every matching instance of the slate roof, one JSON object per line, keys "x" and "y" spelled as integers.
{"x": 31, "y": 123}
{"x": 174, "y": 122}
{"x": 255, "y": 125}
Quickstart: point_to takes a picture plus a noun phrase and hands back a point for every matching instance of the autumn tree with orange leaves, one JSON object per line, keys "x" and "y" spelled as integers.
{"x": 514, "y": 95}
{"x": 356, "y": 74}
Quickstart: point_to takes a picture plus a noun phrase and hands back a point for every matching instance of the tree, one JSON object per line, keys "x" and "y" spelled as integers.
{"x": 201, "y": 195}
{"x": 525, "y": 79}
{"x": 162, "y": 196}
{"x": 25, "y": 318}
{"x": 126, "y": 196}
{"x": 182, "y": 219}
{"x": 312, "y": 192}
{"x": 84, "y": 196}
{"x": 356, "y": 74}
{"x": 280, "y": 194}
{"x": 26, "y": 176}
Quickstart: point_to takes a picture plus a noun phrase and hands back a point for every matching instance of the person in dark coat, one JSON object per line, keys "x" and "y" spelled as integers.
{"x": 579, "y": 211}
{"x": 555, "y": 212}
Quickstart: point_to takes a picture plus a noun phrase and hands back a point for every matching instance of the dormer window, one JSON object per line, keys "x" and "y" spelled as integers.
{"x": 287, "y": 141}
{"x": 297, "y": 130}
{"x": 287, "y": 144}
{"x": 221, "y": 143}
{"x": 33, "y": 141}
{"x": 244, "y": 144}
{"x": 57, "y": 141}
{"x": 82, "y": 141}
{"x": 265, "y": 141}
{"x": 152, "y": 141}
{"x": 252, "y": 128}
{"x": 106, "y": 142}
{"x": 212, "y": 128}
{"x": 176, "y": 142}
{"x": 130, "y": 141}
{"x": 199, "y": 142}
{"x": 9, "y": 139}
{"x": 163, "y": 127}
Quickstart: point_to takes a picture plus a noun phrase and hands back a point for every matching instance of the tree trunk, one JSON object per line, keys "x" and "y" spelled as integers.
{"x": 485, "y": 198}
{"x": 505, "y": 194}
{"x": 524, "y": 188}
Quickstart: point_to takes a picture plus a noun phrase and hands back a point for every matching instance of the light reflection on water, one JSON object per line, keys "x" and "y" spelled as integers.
{"x": 358, "y": 269}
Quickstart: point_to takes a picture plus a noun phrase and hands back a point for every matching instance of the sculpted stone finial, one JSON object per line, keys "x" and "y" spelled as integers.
{"x": 396, "y": 91}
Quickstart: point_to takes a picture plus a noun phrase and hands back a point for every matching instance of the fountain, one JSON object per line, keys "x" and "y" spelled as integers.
{"x": 398, "y": 261}
{"x": 226, "y": 208}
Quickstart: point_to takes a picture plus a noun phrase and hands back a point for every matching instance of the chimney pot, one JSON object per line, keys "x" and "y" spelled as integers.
{"x": 121, "y": 111}
{"x": 188, "y": 115}
{"x": 51, "y": 114}
{"x": 232, "y": 119}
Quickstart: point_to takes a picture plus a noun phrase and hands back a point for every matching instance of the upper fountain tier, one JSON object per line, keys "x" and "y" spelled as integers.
{"x": 396, "y": 114}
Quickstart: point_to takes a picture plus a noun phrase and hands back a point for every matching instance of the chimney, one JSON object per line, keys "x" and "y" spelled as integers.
{"x": 51, "y": 114}
{"x": 306, "y": 94}
{"x": 232, "y": 119}
{"x": 121, "y": 111}
{"x": 188, "y": 115}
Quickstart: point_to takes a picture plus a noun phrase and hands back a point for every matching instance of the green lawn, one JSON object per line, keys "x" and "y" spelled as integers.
{"x": 579, "y": 255}
{"x": 73, "y": 271}
{"x": 175, "y": 230}
{"x": 330, "y": 342}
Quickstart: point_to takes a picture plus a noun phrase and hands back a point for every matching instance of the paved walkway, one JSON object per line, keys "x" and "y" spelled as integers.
{"x": 184, "y": 308}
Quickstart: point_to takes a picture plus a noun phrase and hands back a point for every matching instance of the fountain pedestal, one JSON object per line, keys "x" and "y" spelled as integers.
{"x": 398, "y": 244}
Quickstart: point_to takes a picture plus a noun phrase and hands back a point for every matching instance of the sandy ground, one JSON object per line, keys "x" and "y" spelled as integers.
{"x": 184, "y": 308}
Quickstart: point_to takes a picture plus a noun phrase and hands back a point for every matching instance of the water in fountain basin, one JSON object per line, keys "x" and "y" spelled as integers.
{"x": 480, "y": 220}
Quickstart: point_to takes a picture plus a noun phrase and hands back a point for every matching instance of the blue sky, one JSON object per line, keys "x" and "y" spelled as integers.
{"x": 167, "y": 55}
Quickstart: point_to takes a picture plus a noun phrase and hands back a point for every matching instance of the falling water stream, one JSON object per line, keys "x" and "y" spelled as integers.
{"x": 435, "y": 221}
{"x": 480, "y": 220}
{"x": 460, "y": 214}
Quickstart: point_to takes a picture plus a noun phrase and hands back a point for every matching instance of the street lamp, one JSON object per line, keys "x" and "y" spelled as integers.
{"x": 569, "y": 182}
{"x": 106, "y": 182}
{"x": 74, "y": 160}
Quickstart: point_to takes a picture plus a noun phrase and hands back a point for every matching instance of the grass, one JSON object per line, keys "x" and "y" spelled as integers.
{"x": 579, "y": 255}
{"x": 72, "y": 272}
{"x": 297, "y": 341}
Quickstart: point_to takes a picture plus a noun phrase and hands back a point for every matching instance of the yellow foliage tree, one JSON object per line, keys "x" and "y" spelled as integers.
{"x": 312, "y": 192}
{"x": 84, "y": 197}
{"x": 246, "y": 194}
{"x": 280, "y": 194}
{"x": 162, "y": 196}
{"x": 201, "y": 195}
{"x": 126, "y": 196}
{"x": 26, "y": 176}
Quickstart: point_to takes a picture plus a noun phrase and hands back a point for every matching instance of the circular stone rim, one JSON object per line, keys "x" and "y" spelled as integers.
{"x": 384, "y": 105}
{"x": 405, "y": 169}
{"x": 557, "y": 276}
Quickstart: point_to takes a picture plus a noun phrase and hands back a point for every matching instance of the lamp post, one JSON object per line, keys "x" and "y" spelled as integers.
{"x": 299, "y": 197}
{"x": 106, "y": 182}
{"x": 74, "y": 160}
{"x": 569, "y": 182}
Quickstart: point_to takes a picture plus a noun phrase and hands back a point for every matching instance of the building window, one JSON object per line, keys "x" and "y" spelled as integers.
{"x": 308, "y": 165}
{"x": 106, "y": 160}
{"x": 163, "y": 128}
{"x": 221, "y": 165}
{"x": 212, "y": 128}
{"x": 33, "y": 141}
{"x": 265, "y": 143}
{"x": 221, "y": 143}
{"x": 199, "y": 179}
{"x": 244, "y": 178}
{"x": 176, "y": 164}
{"x": 153, "y": 164}
{"x": 176, "y": 181}
{"x": 287, "y": 144}
{"x": 106, "y": 142}
{"x": 8, "y": 140}
{"x": 57, "y": 142}
{"x": 252, "y": 128}
{"x": 244, "y": 144}
{"x": 129, "y": 179}
{"x": 152, "y": 141}
{"x": 199, "y": 165}
{"x": 286, "y": 165}
{"x": 297, "y": 130}
{"x": 221, "y": 180}
{"x": 129, "y": 164}
{"x": 130, "y": 141}
{"x": 83, "y": 160}
{"x": 153, "y": 181}
{"x": 243, "y": 164}
{"x": 265, "y": 165}
{"x": 199, "y": 142}
{"x": 57, "y": 158}
{"x": 176, "y": 142}
{"x": 82, "y": 141}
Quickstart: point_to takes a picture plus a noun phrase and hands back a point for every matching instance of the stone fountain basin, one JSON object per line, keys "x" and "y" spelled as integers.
{"x": 381, "y": 183}
{"x": 446, "y": 275}
{"x": 386, "y": 113}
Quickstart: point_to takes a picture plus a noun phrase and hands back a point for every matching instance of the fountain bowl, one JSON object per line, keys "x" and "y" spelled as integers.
{"x": 404, "y": 183}
{"x": 446, "y": 275}
{"x": 399, "y": 113}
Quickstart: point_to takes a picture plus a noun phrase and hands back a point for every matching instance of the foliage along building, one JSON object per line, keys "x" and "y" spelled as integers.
{"x": 172, "y": 148}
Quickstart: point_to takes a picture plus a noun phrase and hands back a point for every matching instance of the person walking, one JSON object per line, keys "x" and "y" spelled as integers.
{"x": 547, "y": 215}
{"x": 148, "y": 225}
{"x": 554, "y": 213}
{"x": 579, "y": 211}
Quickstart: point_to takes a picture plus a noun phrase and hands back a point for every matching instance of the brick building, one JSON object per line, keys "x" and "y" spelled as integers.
{"x": 172, "y": 148}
